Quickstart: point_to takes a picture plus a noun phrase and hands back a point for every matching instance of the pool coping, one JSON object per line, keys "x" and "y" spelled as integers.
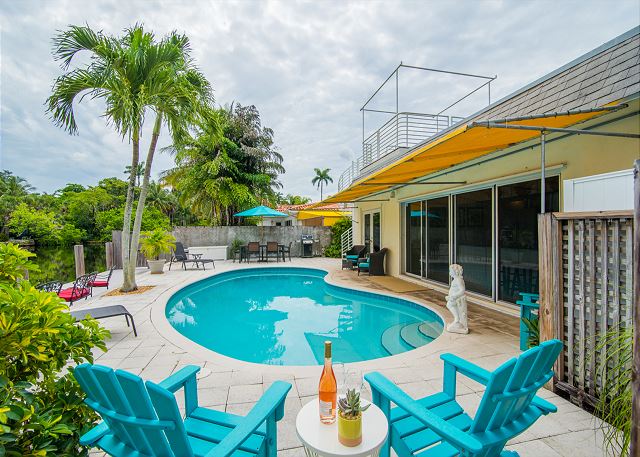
{"x": 167, "y": 331}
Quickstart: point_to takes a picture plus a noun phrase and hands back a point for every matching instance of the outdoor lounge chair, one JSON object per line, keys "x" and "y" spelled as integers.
{"x": 51, "y": 286}
{"x": 438, "y": 426}
{"x": 102, "y": 279}
{"x": 352, "y": 255}
{"x": 81, "y": 289}
{"x": 180, "y": 255}
{"x": 103, "y": 312}
{"x": 272, "y": 250}
{"x": 143, "y": 419}
{"x": 374, "y": 264}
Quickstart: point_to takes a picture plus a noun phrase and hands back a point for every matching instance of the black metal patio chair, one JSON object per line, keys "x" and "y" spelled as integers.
{"x": 51, "y": 286}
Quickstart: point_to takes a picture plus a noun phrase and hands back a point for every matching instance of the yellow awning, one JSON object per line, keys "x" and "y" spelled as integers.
{"x": 460, "y": 145}
{"x": 310, "y": 214}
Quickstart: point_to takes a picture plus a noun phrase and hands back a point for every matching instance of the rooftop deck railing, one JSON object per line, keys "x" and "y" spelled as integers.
{"x": 403, "y": 131}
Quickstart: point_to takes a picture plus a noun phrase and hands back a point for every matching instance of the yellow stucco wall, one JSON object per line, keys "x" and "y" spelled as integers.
{"x": 574, "y": 156}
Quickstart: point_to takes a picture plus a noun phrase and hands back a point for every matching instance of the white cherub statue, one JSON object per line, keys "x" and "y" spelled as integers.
{"x": 457, "y": 302}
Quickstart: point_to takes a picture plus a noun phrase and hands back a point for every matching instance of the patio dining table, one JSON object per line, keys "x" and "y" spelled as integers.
{"x": 244, "y": 251}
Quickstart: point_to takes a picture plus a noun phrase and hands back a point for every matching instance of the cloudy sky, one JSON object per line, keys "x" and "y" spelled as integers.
{"x": 307, "y": 66}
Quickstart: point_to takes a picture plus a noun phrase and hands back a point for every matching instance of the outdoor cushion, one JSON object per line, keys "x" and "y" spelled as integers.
{"x": 352, "y": 257}
{"x": 99, "y": 283}
{"x": 68, "y": 294}
{"x": 363, "y": 265}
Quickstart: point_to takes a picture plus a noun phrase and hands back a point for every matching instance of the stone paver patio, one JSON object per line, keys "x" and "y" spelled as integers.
{"x": 235, "y": 386}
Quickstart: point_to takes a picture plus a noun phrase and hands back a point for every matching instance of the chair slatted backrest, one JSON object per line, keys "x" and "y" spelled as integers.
{"x": 272, "y": 246}
{"x": 513, "y": 385}
{"x": 179, "y": 252}
{"x": 253, "y": 246}
{"x": 129, "y": 408}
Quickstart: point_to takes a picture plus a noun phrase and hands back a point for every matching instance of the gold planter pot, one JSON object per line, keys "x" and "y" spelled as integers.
{"x": 350, "y": 430}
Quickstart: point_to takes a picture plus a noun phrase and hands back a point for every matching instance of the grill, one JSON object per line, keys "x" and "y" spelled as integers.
{"x": 306, "y": 246}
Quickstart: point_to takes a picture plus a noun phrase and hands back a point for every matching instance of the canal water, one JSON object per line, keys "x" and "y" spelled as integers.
{"x": 57, "y": 263}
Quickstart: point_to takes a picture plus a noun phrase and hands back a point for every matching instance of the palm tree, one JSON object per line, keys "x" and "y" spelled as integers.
{"x": 134, "y": 75}
{"x": 139, "y": 172}
{"x": 321, "y": 179}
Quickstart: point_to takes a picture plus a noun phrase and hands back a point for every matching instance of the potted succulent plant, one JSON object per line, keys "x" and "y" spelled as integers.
{"x": 350, "y": 418}
{"x": 153, "y": 244}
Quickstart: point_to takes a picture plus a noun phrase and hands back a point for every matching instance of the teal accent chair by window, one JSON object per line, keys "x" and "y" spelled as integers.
{"x": 438, "y": 426}
{"x": 142, "y": 418}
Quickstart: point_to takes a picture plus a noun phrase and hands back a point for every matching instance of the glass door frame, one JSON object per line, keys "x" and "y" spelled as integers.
{"x": 370, "y": 213}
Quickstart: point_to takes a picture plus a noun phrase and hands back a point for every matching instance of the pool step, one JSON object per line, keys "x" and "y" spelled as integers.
{"x": 414, "y": 337}
{"x": 393, "y": 342}
{"x": 430, "y": 329}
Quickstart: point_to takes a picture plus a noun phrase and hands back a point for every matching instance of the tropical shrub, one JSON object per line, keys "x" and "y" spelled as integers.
{"x": 533, "y": 325}
{"x": 334, "y": 248}
{"x": 156, "y": 242}
{"x": 614, "y": 405}
{"x": 41, "y": 408}
{"x": 31, "y": 223}
{"x": 14, "y": 262}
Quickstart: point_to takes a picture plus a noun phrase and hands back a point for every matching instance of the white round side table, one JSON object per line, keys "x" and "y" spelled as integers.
{"x": 321, "y": 440}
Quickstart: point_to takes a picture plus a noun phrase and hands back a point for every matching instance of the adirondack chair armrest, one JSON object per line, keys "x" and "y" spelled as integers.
{"x": 393, "y": 393}
{"x": 272, "y": 401}
{"x": 545, "y": 406}
{"x": 179, "y": 379}
{"x": 469, "y": 369}
{"x": 94, "y": 434}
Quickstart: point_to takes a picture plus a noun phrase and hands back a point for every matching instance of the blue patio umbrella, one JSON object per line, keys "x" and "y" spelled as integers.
{"x": 261, "y": 212}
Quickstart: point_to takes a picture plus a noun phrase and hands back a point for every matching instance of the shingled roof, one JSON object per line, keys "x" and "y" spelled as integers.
{"x": 606, "y": 74}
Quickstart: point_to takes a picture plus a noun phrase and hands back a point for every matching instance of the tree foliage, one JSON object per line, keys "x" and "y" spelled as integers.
{"x": 229, "y": 163}
{"x": 41, "y": 405}
{"x": 334, "y": 248}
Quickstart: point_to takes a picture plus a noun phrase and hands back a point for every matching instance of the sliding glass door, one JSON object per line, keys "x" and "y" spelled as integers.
{"x": 413, "y": 238}
{"x": 474, "y": 239}
{"x": 437, "y": 239}
{"x": 518, "y": 207}
{"x": 491, "y": 232}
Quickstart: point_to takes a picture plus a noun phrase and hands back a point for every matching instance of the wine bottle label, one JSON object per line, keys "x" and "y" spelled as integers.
{"x": 325, "y": 408}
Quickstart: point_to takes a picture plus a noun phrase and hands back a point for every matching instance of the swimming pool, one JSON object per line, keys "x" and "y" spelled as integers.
{"x": 282, "y": 316}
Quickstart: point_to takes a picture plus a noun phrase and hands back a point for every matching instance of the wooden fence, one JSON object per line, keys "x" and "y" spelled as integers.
{"x": 586, "y": 289}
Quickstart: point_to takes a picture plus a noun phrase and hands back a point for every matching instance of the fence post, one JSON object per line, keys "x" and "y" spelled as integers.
{"x": 546, "y": 274}
{"x": 635, "y": 374}
{"x": 108, "y": 247}
{"x": 78, "y": 253}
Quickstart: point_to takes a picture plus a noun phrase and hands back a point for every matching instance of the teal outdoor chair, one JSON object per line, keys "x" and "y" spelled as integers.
{"x": 438, "y": 426}
{"x": 142, "y": 418}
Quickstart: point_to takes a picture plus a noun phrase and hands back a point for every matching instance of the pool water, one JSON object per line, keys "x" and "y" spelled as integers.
{"x": 282, "y": 316}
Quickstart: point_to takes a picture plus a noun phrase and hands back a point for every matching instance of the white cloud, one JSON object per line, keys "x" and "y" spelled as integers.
{"x": 307, "y": 66}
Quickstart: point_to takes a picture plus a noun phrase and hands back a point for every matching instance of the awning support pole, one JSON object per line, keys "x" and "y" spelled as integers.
{"x": 542, "y": 172}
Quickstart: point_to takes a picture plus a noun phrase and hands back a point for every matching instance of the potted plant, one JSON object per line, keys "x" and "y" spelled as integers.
{"x": 350, "y": 418}
{"x": 153, "y": 244}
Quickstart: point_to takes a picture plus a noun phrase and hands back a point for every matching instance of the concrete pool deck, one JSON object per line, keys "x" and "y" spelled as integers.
{"x": 234, "y": 386}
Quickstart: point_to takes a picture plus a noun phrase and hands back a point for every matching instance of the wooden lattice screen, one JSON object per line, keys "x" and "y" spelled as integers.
{"x": 586, "y": 288}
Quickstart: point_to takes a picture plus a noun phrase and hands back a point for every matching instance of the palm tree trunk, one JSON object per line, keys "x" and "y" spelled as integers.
{"x": 137, "y": 224}
{"x": 321, "y": 190}
{"x": 129, "y": 282}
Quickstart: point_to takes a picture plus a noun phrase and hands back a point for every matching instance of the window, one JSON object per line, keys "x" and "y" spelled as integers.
{"x": 474, "y": 239}
{"x": 518, "y": 207}
{"x": 288, "y": 222}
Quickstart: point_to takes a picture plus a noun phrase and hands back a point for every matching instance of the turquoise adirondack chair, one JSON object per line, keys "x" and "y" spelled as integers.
{"x": 142, "y": 419}
{"x": 438, "y": 426}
